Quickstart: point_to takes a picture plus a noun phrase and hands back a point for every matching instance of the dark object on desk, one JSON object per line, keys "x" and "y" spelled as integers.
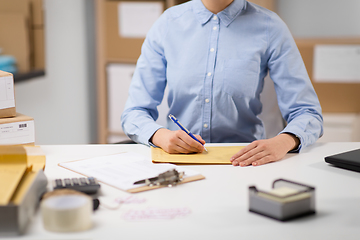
{"x": 14, "y": 218}
{"x": 169, "y": 178}
{"x": 86, "y": 185}
{"x": 286, "y": 201}
{"x": 348, "y": 160}
{"x": 96, "y": 203}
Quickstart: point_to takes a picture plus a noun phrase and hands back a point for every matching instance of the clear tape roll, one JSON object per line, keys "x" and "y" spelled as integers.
{"x": 66, "y": 211}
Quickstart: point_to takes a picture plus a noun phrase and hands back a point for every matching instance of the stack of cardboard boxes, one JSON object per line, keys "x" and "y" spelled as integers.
{"x": 22, "y": 180}
{"x": 22, "y": 33}
{"x": 15, "y": 128}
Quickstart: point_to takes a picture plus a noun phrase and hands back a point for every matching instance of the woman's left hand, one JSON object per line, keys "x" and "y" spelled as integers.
{"x": 264, "y": 151}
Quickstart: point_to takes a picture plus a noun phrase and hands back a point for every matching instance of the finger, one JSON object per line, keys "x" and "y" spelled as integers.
{"x": 262, "y": 161}
{"x": 198, "y": 137}
{"x": 257, "y": 156}
{"x": 254, "y": 150}
{"x": 243, "y": 151}
{"x": 191, "y": 143}
{"x": 175, "y": 143}
{"x": 180, "y": 147}
{"x": 235, "y": 163}
{"x": 188, "y": 143}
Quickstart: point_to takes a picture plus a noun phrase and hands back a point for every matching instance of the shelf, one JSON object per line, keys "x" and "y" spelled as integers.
{"x": 21, "y": 77}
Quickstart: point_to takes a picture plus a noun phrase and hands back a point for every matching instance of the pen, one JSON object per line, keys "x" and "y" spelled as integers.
{"x": 184, "y": 129}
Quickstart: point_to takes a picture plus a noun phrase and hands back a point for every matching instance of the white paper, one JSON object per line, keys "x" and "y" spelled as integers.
{"x": 118, "y": 82}
{"x": 136, "y": 18}
{"x": 337, "y": 63}
{"x": 7, "y": 97}
{"x": 119, "y": 78}
{"x": 122, "y": 170}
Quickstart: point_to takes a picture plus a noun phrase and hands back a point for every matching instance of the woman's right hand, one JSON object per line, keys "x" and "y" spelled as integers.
{"x": 177, "y": 141}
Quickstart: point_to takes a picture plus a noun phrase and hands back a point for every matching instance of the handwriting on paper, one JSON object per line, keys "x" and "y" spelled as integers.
{"x": 156, "y": 213}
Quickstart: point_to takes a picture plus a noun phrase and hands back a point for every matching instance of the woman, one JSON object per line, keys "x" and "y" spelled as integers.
{"x": 213, "y": 56}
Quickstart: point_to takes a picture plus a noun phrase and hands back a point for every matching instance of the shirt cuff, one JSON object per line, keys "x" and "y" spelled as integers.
{"x": 297, "y": 149}
{"x": 148, "y": 132}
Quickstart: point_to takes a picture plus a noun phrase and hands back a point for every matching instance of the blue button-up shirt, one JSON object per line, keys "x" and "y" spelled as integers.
{"x": 214, "y": 67}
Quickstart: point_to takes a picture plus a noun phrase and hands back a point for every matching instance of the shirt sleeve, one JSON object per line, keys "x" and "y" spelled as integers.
{"x": 296, "y": 96}
{"x": 147, "y": 87}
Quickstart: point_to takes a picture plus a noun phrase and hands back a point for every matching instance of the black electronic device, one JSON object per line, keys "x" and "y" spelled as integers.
{"x": 349, "y": 160}
{"x": 86, "y": 185}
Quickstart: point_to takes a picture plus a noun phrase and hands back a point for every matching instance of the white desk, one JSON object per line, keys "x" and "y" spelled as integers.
{"x": 219, "y": 204}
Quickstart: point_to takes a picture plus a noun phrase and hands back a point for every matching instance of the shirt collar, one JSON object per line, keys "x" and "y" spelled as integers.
{"x": 226, "y": 16}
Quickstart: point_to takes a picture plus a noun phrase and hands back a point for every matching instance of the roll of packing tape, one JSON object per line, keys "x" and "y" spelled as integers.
{"x": 66, "y": 211}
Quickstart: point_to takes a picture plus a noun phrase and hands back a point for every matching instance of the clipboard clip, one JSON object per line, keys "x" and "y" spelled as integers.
{"x": 169, "y": 178}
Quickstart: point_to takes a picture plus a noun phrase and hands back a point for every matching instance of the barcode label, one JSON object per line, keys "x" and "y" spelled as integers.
{"x": 17, "y": 133}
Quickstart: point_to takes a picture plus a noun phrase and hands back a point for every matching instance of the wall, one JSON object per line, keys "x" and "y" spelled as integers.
{"x": 63, "y": 101}
{"x": 314, "y": 19}
{"x": 321, "y": 18}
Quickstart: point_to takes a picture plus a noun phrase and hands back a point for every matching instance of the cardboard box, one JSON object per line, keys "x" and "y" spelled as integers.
{"x": 39, "y": 49}
{"x": 28, "y": 49}
{"x": 37, "y": 13}
{"x": 31, "y": 9}
{"x": 17, "y": 130}
{"x": 269, "y": 4}
{"x": 7, "y": 95}
{"x": 120, "y": 48}
{"x": 14, "y": 39}
{"x": 21, "y": 188}
{"x": 37, "y": 35}
{"x": 334, "y": 97}
{"x": 16, "y": 7}
{"x": 15, "y": 22}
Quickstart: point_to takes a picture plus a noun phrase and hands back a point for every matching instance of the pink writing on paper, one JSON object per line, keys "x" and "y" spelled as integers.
{"x": 130, "y": 199}
{"x": 156, "y": 213}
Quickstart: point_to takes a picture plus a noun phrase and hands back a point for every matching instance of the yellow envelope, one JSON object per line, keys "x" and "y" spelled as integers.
{"x": 214, "y": 155}
{"x": 35, "y": 157}
{"x": 13, "y": 165}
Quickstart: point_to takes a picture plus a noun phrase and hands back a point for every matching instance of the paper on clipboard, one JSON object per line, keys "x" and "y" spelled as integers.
{"x": 214, "y": 155}
{"x": 123, "y": 169}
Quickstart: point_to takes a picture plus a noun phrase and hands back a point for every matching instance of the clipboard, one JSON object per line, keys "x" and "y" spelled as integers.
{"x": 95, "y": 167}
{"x": 185, "y": 180}
{"x": 214, "y": 155}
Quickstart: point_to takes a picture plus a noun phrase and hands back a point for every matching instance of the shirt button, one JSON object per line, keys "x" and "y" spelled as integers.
{"x": 209, "y": 74}
{"x": 205, "y": 125}
{"x": 212, "y": 49}
{"x": 215, "y": 17}
{"x": 207, "y": 100}
{"x": 214, "y": 28}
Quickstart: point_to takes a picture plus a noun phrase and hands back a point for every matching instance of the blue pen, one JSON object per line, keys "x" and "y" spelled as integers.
{"x": 184, "y": 129}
